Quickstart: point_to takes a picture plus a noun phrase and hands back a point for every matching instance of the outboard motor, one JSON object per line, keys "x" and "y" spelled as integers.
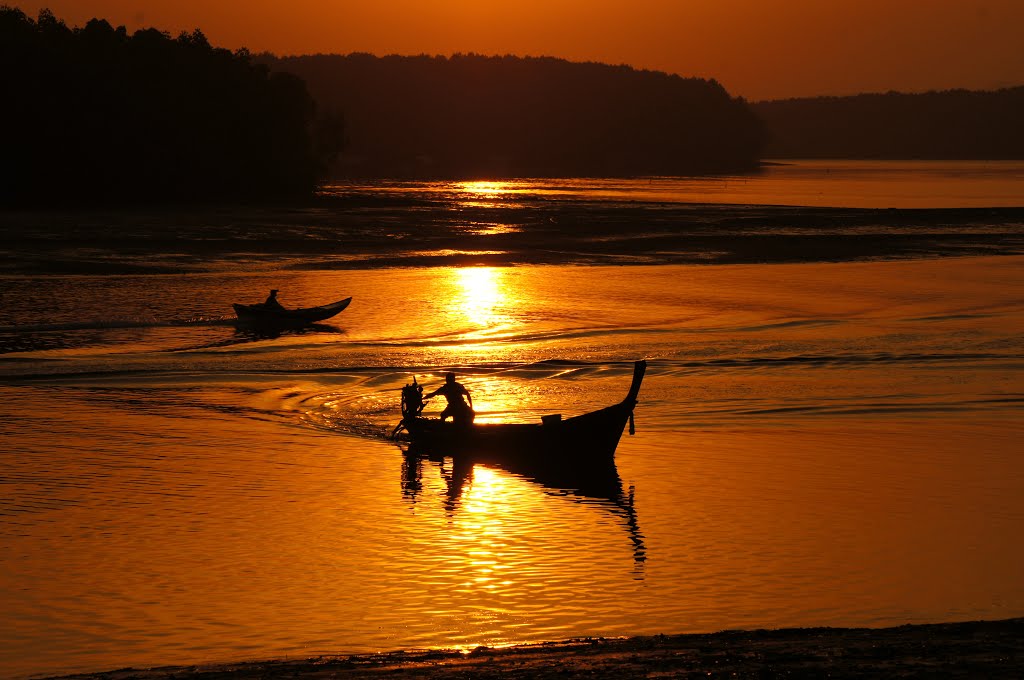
{"x": 412, "y": 400}
{"x": 412, "y": 405}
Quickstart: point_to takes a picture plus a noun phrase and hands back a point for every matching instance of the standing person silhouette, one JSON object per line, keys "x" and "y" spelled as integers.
{"x": 459, "y": 410}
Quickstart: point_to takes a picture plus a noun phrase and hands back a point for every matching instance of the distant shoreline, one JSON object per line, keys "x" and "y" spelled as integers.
{"x": 989, "y": 649}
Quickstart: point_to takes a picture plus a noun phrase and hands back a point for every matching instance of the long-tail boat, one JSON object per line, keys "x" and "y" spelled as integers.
{"x": 590, "y": 437}
{"x": 276, "y": 316}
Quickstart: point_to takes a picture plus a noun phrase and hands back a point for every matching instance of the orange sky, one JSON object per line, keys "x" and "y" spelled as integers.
{"x": 759, "y": 49}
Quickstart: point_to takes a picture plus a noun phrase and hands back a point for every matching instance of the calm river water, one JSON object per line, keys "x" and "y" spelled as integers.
{"x": 818, "y": 443}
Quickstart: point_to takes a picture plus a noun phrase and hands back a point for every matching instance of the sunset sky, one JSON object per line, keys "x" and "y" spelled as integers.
{"x": 759, "y": 49}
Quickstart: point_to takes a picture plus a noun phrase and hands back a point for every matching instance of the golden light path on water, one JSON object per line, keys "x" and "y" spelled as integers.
{"x": 485, "y": 188}
{"x": 483, "y": 528}
{"x": 478, "y": 302}
{"x": 487, "y": 194}
{"x": 482, "y": 294}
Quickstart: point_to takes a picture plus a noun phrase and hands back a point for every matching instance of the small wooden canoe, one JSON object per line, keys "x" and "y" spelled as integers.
{"x": 263, "y": 315}
{"x": 591, "y": 437}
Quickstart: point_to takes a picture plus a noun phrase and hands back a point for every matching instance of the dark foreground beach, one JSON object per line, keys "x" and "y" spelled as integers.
{"x": 979, "y": 649}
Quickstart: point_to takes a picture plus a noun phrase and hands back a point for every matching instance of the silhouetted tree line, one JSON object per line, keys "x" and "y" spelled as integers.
{"x": 954, "y": 124}
{"x": 96, "y": 113}
{"x": 470, "y": 115}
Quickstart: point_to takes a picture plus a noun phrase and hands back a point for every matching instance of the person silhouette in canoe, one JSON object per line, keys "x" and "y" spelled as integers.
{"x": 271, "y": 301}
{"x": 458, "y": 408}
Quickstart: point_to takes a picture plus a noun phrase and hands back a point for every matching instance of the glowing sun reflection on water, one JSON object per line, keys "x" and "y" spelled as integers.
{"x": 482, "y": 295}
{"x": 486, "y": 194}
{"x": 483, "y": 188}
{"x": 476, "y": 309}
{"x": 483, "y": 530}
{"x": 483, "y": 527}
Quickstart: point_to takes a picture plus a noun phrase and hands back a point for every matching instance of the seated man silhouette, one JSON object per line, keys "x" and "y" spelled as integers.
{"x": 271, "y": 300}
{"x": 460, "y": 411}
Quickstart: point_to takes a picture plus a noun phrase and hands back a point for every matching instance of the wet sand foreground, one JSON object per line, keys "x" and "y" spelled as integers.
{"x": 980, "y": 649}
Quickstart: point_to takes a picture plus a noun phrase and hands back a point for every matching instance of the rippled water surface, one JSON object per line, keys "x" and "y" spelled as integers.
{"x": 817, "y": 444}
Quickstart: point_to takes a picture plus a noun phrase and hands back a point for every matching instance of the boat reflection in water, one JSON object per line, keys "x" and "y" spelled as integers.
{"x": 597, "y": 484}
{"x": 245, "y": 334}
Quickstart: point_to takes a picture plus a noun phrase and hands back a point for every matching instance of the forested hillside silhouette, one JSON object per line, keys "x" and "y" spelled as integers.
{"x": 954, "y": 124}
{"x": 476, "y": 116}
{"x": 98, "y": 114}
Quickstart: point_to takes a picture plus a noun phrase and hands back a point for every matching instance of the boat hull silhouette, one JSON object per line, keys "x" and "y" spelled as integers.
{"x": 590, "y": 437}
{"x": 262, "y": 315}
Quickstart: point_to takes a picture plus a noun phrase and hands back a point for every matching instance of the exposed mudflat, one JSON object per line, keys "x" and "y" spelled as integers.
{"x": 369, "y": 231}
{"x": 981, "y": 649}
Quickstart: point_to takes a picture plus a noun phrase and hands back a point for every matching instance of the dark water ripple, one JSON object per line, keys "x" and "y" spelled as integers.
{"x": 338, "y": 234}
